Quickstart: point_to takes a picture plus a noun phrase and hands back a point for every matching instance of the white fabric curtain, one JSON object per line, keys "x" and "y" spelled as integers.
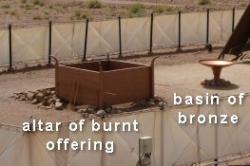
{"x": 193, "y": 28}
{"x": 4, "y": 45}
{"x": 103, "y": 38}
{"x": 165, "y": 32}
{"x": 30, "y": 45}
{"x": 135, "y": 34}
{"x": 220, "y": 28}
{"x": 173, "y": 144}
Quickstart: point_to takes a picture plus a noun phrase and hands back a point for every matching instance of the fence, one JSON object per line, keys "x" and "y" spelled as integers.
{"x": 173, "y": 144}
{"x": 21, "y": 47}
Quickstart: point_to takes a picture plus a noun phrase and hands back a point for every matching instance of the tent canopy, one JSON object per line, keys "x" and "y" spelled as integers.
{"x": 240, "y": 39}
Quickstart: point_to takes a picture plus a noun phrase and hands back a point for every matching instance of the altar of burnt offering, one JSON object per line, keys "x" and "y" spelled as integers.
{"x": 104, "y": 83}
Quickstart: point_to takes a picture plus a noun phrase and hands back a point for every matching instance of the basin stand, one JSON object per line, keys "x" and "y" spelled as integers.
{"x": 217, "y": 72}
{"x": 153, "y": 76}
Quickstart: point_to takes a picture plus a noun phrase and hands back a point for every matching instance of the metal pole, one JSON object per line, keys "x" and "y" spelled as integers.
{"x": 179, "y": 30}
{"x": 120, "y": 36}
{"x": 145, "y": 151}
{"x": 50, "y": 42}
{"x": 233, "y": 20}
{"x": 198, "y": 138}
{"x": 215, "y": 162}
{"x": 216, "y": 136}
{"x": 151, "y": 34}
{"x": 162, "y": 137}
{"x": 10, "y": 48}
{"x": 208, "y": 22}
{"x": 208, "y": 46}
{"x": 86, "y": 40}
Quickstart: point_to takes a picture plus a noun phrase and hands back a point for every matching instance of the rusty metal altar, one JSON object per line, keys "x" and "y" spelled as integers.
{"x": 104, "y": 83}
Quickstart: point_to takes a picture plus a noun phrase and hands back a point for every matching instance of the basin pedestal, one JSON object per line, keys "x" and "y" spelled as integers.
{"x": 216, "y": 66}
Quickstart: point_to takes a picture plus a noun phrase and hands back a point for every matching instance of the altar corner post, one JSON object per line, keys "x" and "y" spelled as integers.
{"x": 153, "y": 75}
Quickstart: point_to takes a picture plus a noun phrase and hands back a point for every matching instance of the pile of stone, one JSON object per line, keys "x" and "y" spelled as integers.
{"x": 153, "y": 102}
{"x": 45, "y": 98}
{"x": 216, "y": 83}
{"x": 87, "y": 110}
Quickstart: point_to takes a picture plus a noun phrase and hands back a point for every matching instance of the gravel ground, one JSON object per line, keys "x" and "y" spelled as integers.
{"x": 13, "y": 111}
{"x": 42, "y": 79}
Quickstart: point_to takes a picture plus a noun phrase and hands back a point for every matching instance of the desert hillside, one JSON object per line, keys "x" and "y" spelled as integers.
{"x": 28, "y": 12}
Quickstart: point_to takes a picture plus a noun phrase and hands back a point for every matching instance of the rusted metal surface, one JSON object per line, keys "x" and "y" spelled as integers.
{"x": 240, "y": 39}
{"x": 216, "y": 66}
{"x": 104, "y": 83}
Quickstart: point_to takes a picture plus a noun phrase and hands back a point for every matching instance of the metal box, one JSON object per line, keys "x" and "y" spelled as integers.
{"x": 104, "y": 83}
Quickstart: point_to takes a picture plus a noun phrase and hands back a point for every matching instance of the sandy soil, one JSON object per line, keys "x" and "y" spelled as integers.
{"x": 14, "y": 112}
{"x": 29, "y": 12}
{"x": 177, "y": 59}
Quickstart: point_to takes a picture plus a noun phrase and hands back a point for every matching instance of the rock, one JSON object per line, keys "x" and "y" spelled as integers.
{"x": 46, "y": 97}
{"x": 115, "y": 111}
{"x": 46, "y": 92}
{"x": 85, "y": 109}
{"x": 52, "y": 92}
{"x": 51, "y": 101}
{"x": 157, "y": 99}
{"x": 85, "y": 115}
{"x": 34, "y": 101}
{"x": 141, "y": 103}
{"x": 58, "y": 105}
{"x": 30, "y": 96}
{"x": 81, "y": 110}
{"x": 39, "y": 96}
{"x": 22, "y": 98}
{"x": 78, "y": 107}
{"x": 58, "y": 100}
{"x": 228, "y": 83}
{"x": 46, "y": 107}
{"x": 46, "y": 103}
{"x": 101, "y": 113}
{"x": 15, "y": 96}
{"x": 151, "y": 102}
{"x": 91, "y": 116}
{"x": 108, "y": 109}
{"x": 91, "y": 110}
{"x": 161, "y": 105}
{"x": 54, "y": 97}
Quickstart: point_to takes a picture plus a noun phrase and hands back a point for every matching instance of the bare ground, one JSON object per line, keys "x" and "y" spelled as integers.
{"x": 13, "y": 112}
{"x": 29, "y": 12}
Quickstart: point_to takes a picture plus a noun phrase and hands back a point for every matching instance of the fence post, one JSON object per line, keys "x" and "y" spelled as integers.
{"x": 179, "y": 31}
{"x": 50, "y": 42}
{"x": 208, "y": 23}
{"x": 86, "y": 40}
{"x": 215, "y": 162}
{"x": 233, "y": 20}
{"x": 151, "y": 34}
{"x": 216, "y": 135}
{"x": 10, "y": 48}
{"x": 120, "y": 36}
{"x": 208, "y": 46}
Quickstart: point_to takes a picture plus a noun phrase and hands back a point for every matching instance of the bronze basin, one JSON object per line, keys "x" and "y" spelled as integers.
{"x": 217, "y": 66}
